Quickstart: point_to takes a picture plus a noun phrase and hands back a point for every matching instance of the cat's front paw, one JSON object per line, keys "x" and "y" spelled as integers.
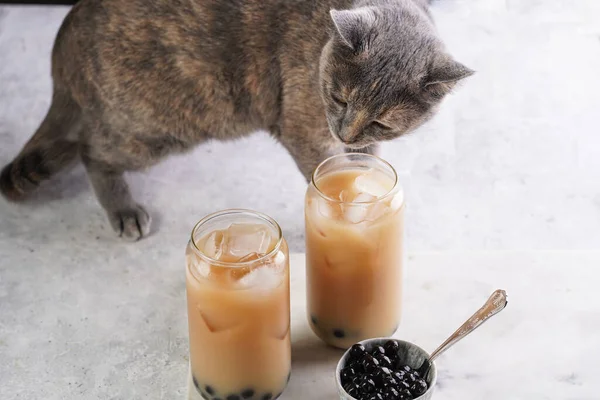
{"x": 130, "y": 223}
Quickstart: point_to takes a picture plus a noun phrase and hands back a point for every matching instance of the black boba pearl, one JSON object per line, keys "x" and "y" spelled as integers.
{"x": 267, "y": 396}
{"x": 347, "y": 374}
{"x": 405, "y": 395}
{"x": 391, "y": 393}
{"x": 339, "y": 333}
{"x": 381, "y": 376}
{"x": 246, "y": 394}
{"x": 370, "y": 364}
{"x": 314, "y": 320}
{"x": 209, "y": 390}
{"x": 405, "y": 368}
{"x": 233, "y": 397}
{"x": 217, "y": 398}
{"x": 385, "y": 361}
{"x": 357, "y": 351}
{"x": 378, "y": 351}
{"x": 391, "y": 381}
{"x": 391, "y": 348}
{"x": 356, "y": 365}
{"x": 411, "y": 377}
{"x": 403, "y": 385}
{"x": 399, "y": 375}
{"x": 418, "y": 388}
{"x": 352, "y": 389}
{"x": 367, "y": 385}
{"x": 376, "y": 396}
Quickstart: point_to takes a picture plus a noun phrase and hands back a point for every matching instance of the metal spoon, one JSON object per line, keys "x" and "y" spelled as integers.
{"x": 496, "y": 303}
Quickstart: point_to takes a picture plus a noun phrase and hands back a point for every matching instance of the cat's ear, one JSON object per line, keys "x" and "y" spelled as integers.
{"x": 354, "y": 26}
{"x": 444, "y": 76}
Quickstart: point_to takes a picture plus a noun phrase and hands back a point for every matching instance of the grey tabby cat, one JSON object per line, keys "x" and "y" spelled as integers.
{"x": 137, "y": 80}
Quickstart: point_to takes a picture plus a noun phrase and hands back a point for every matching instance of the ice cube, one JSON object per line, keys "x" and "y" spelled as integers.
{"x": 263, "y": 278}
{"x": 397, "y": 201}
{"x": 198, "y": 266}
{"x": 216, "y": 320}
{"x": 318, "y": 210}
{"x": 244, "y": 239}
{"x": 345, "y": 196}
{"x": 324, "y": 208}
{"x": 376, "y": 211}
{"x": 356, "y": 213}
{"x": 214, "y": 245}
{"x": 373, "y": 182}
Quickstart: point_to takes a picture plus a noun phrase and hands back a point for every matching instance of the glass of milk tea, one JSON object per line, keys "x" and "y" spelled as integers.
{"x": 238, "y": 297}
{"x": 354, "y": 215}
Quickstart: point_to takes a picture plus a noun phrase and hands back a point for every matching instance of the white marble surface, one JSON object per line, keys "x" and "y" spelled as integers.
{"x": 115, "y": 328}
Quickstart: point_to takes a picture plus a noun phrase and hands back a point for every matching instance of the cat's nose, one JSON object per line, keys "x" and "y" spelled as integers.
{"x": 353, "y": 125}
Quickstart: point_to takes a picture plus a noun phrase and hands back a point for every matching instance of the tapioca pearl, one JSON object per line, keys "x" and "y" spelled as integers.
{"x": 390, "y": 381}
{"x": 339, "y": 333}
{"x": 399, "y": 375}
{"x": 418, "y": 388}
{"x": 367, "y": 385}
{"x": 370, "y": 364}
{"x": 412, "y": 377}
{"x": 314, "y": 320}
{"x": 357, "y": 351}
{"x": 209, "y": 390}
{"x": 385, "y": 361}
{"x": 405, "y": 395}
{"x": 348, "y": 374}
{"x": 267, "y": 396}
{"x": 352, "y": 389}
{"x": 391, "y": 348}
{"x": 391, "y": 393}
{"x": 248, "y": 393}
{"x": 378, "y": 352}
{"x": 233, "y": 397}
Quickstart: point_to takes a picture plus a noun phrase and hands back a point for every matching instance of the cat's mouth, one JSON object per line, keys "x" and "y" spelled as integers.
{"x": 353, "y": 144}
{"x": 357, "y": 146}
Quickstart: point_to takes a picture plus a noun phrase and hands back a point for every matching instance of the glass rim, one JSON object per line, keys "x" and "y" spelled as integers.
{"x": 231, "y": 264}
{"x": 390, "y": 193}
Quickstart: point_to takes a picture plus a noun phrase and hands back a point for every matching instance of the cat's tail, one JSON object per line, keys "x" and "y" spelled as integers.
{"x": 53, "y": 146}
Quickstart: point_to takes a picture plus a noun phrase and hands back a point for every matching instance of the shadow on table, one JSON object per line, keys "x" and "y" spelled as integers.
{"x": 313, "y": 368}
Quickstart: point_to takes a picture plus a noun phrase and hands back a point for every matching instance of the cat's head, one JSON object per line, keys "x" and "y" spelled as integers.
{"x": 383, "y": 73}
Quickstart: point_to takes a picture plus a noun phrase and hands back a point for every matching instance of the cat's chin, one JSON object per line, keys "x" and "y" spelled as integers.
{"x": 358, "y": 146}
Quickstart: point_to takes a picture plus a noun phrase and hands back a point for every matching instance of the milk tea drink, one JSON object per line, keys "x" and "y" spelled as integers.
{"x": 354, "y": 215}
{"x": 238, "y": 298}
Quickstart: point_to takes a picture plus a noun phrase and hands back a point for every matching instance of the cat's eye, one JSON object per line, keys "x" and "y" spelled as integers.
{"x": 339, "y": 101}
{"x": 381, "y": 126}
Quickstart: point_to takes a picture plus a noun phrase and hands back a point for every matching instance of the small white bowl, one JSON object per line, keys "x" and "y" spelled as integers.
{"x": 410, "y": 354}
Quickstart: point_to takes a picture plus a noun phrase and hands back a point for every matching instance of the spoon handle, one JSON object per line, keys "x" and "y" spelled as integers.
{"x": 496, "y": 303}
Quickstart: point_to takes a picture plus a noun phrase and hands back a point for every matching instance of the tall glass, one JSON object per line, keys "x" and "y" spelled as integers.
{"x": 354, "y": 214}
{"x": 238, "y": 298}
